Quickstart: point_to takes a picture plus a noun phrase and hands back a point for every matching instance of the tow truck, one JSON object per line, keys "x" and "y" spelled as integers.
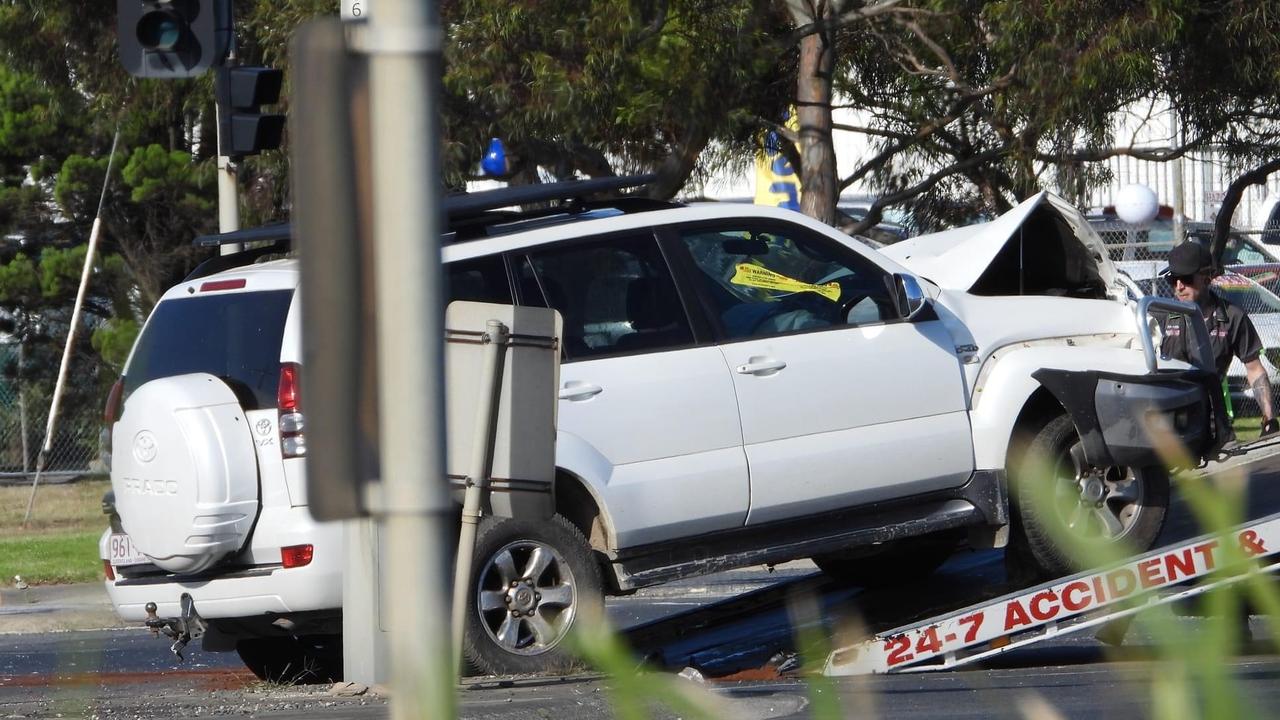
{"x": 946, "y": 625}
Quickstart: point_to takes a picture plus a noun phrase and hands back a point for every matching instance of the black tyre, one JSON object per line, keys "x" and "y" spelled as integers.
{"x": 1058, "y": 500}
{"x": 294, "y": 661}
{"x": 894, "y": 563}
{"x": 531, "y": 582}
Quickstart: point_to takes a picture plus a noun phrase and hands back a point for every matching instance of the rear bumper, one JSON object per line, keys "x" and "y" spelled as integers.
{"x": 262, "y": 588}
{"x": 1122, "y": 419}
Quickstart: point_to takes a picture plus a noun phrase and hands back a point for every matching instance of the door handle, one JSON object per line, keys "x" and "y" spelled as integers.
{"x": 760, "y": 365}
{"x": 576, "y": 391}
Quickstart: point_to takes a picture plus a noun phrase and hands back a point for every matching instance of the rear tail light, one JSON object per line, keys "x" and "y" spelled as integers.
{"x": 110, "y": 571}
{"x": 110, "y": 414}
{"x": 296, "y": 555}
{"x": 293, "y": 443}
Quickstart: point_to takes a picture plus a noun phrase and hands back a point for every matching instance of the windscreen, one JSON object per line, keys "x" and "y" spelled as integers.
{"x": 235, "y": 337}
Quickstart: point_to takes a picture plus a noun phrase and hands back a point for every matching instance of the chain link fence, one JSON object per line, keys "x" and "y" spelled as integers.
{"x": 1142, "y": 254}
{"x": 24, "y": 412}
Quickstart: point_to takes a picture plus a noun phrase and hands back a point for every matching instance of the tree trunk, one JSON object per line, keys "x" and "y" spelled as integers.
{"x": 818, "y": 178}
{"x": 1231, "y": 199}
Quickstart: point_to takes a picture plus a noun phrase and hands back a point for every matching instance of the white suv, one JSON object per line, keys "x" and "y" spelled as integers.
{"x": 741, "y": 385}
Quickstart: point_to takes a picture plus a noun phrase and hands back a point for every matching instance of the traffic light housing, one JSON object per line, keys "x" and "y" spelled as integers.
{"x": 241, "y": 92}
{"x": 172, "y": 38}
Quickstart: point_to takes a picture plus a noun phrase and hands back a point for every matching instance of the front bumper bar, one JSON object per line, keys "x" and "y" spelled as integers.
{"x": 1121, "y": 418}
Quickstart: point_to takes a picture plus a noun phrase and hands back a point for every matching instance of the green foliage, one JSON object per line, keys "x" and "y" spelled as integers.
{"x": 60, "y": 271}
{"x": 19, "y": 281}
{"x": 153, "y": 174}
{"x": 114, "y": 340}
{"x": 589, "y": 85}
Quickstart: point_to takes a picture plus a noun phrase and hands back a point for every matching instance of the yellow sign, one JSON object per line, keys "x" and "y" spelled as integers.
{"x": 758, "y": 277}
{"x": 777, "y": 183}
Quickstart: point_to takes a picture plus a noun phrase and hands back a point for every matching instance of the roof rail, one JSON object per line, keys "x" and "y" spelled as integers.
{"x": 479, "y": 209}
{"x": 273, "y": 232}
{"x": 465, "y": 205}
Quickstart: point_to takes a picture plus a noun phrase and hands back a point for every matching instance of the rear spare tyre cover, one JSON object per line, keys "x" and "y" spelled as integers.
{"x": 185, "y": 472}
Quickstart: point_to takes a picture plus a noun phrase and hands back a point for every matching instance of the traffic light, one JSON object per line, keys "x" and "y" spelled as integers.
{"x": 172, "y": 38}
{"x": 242, "y": 128}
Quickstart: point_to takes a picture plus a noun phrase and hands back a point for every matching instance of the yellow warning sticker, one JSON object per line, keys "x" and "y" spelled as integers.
{"x": 758, "y": 277}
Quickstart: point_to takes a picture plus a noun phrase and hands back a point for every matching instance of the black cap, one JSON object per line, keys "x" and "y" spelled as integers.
{"x": 1188, "y": 258}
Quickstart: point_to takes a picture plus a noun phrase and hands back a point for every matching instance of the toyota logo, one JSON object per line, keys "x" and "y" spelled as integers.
{"x": 144, "y": 446}
{"x": 263, "y": 426}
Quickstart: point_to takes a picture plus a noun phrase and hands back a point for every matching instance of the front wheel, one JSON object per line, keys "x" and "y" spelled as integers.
{"x": 1064, "y": 508}
{"x": 530, "y": 583}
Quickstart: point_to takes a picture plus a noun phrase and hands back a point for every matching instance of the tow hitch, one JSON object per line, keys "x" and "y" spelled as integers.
{"x": 189, "y": 626}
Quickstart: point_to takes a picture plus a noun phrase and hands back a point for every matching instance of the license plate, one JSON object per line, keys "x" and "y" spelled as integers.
{"x": 122, "y": 551}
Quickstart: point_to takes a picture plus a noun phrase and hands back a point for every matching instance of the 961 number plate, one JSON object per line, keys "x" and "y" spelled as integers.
{"x": 121, "y": 551}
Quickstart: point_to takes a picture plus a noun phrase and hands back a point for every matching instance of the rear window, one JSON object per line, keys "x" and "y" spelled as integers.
{"x": 235, "y": 337}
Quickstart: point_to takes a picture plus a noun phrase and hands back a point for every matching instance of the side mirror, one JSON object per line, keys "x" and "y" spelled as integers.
{"x": 909, "y": 295}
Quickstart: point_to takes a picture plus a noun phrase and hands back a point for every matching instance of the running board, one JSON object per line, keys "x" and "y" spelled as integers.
{"x": 1062, "y": 606}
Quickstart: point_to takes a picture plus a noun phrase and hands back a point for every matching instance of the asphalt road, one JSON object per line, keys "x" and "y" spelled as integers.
{"x": 127, "y": 673}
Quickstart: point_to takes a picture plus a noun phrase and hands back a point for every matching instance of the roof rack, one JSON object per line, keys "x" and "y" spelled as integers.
{"x": 274, "y": 232}
{"x": 468, "y": 213}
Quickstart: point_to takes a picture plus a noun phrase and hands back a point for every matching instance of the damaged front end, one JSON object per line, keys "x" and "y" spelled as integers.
{"x": 1169, "y": 417}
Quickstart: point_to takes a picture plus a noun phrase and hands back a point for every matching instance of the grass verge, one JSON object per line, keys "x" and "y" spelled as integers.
{"x": 60, "y": 544}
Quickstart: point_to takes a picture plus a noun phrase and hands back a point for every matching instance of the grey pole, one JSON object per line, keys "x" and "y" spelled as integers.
{"x": 403, "y": 41}
{"x": 495, "y": 355}
{"x": 1179, "y": 193}
{"x": 22, "y": 406}
{"x": 228, "y": 198}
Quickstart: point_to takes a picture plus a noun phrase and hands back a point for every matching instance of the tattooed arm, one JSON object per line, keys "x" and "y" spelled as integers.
{"x": 1261, "y": 388}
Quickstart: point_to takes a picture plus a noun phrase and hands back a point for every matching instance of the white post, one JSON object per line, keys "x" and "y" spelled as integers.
{"x": 403, "y": 40}
{"x": 1179, "y": 194}
{"x": 52, "y": 422}
{"x": 228, "y": 199}
{"x": 22, "y": 406}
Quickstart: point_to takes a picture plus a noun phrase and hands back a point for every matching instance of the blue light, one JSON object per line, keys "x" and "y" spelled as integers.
{"x": 495, "y": 159}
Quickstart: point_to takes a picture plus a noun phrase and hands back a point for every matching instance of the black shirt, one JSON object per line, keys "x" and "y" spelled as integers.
{"x": 1230, "y": 333}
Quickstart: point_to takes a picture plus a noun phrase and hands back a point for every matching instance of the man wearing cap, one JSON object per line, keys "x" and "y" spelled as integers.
{"x": 1231, "y": 333}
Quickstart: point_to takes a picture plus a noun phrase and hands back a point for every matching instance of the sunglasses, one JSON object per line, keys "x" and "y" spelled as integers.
{"x": 1184, "y": 279}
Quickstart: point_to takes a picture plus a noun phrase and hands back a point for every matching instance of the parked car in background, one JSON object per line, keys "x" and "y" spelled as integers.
{"x": 1152, "y": 243}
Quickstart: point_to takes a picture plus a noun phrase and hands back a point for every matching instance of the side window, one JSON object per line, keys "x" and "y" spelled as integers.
{"x": 765, "y": 282}
{"x": 479, "y": 280}
{"x": 616, "y": 296}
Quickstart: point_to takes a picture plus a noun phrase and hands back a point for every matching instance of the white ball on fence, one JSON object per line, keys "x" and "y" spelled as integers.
{"x": 1137, "y": 204}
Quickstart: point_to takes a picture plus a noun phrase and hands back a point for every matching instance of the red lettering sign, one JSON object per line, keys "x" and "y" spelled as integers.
{"x": 1071, "y": 591}
{"x": 1149, "y": 573}
{"x": 1044, "y": 605}
{"x": 1120, "y": 582}
{"x": 1179, "y": 566}
{"x": 1015, "y": 615}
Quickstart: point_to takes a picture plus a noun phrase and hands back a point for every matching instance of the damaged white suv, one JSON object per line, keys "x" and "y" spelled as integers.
{"x": 740, "y": 385}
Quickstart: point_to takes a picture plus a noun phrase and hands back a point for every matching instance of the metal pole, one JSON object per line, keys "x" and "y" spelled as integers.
{"x": 403, "y": 40}
{"x": 22, "y": 406}
{"x": 52, "y": 422}
{"x": 228, "y": 202}
{"x": 495, "y": 353}
{"x": 228, "y": 198}
{"x": 1179, "y": 194}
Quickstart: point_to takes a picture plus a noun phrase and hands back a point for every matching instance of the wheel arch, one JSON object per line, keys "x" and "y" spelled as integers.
{"x": 577, "y": 502}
